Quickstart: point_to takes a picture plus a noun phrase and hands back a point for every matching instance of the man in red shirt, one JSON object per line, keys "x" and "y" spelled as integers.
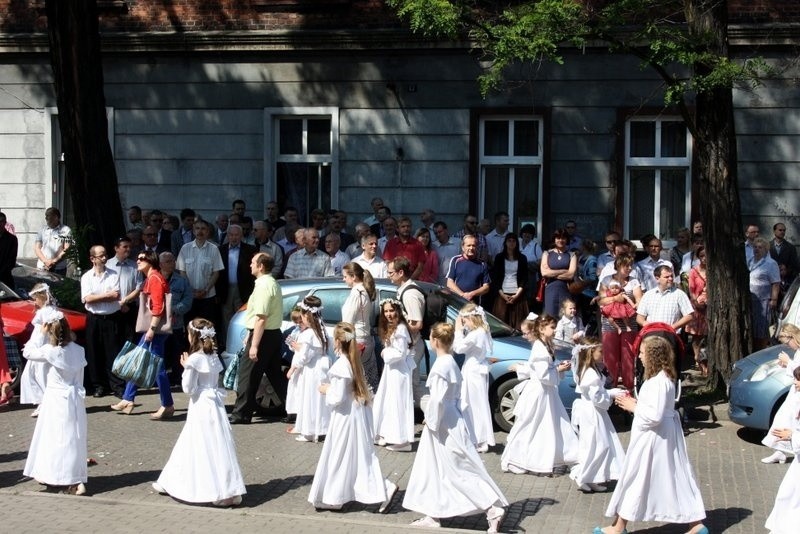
{"x": 406, "y": 245}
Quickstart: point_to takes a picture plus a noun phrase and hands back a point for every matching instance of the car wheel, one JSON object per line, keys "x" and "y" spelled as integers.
{"x": 505, "y": 401}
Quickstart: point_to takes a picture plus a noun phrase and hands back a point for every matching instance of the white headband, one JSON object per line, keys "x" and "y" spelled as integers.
{"x": 207, "y": 332}
{"x": 51, "y": 315}
{"x": 313, "y": 309}
{"x": 478, "y": 310}
{"x": 348, "y": 336}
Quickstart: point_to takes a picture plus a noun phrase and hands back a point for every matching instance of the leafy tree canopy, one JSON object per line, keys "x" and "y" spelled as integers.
{"x": 534, "y": 30}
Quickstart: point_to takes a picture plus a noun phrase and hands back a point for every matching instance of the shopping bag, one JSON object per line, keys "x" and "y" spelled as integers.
{"x": 137, "y": 364}
{"x": 231, "y": 378}
{"x": 145, "y": 318}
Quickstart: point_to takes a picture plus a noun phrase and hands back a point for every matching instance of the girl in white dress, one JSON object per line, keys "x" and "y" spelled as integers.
{"x": 600, "y": 453}
{"x": 34, "y": 376}
{"x": 785, "y": 515}
{"x": 790, "y": 334}
{"x": 293, "y": 387}
{"x": 57, "y": 455}
{"x": 311, "y": 362}
{"x": 474, "y": 341}
{"x": 203, "y": 466}
{"x": 448, "y": 478}
{"x": 394, "y": 400}
{"x": 657, "y": 482}
{"x": 542, "y": 437}
{"x": 348, "y": 468}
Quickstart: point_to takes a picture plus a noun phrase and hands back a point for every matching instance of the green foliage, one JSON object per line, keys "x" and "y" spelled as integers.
{"x": 78, "y": 252}
{"x": 537, "y": 30}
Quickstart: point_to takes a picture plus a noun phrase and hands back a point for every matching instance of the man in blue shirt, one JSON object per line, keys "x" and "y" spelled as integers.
{"x": 467, "y": 275}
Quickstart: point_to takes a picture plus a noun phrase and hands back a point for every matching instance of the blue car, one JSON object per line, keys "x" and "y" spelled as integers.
{"x": 758, "y": 385}
{"x": 509, "y": 346}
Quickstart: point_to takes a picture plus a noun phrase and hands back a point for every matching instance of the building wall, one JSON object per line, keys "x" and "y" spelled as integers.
{"x": 189, "y": 131}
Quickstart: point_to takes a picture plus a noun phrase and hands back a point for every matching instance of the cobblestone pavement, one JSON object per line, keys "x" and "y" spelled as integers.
{"x": 130, "y": 451}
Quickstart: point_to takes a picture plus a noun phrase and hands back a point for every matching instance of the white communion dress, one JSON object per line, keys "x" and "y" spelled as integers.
{"x": 58, "y": 451}
{"x": 657, "y": 482}
{"x": 785, "y": 515}
{"x": 34, "y": 376}
{"x": 348, "y": 467}
{"x": 476, "y": 346}
{"x": 784, "y": 416}
{"x": 203, "y": 466}
{"x": 313, "y": 414}
{"x": 394, "y": 401}
{"x": 448, "y": 478}
{"x": 600, "y": 453}
{"x": 542, "y": 436}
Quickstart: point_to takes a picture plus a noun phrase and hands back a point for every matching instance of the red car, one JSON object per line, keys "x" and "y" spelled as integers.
{"x": 17, "y": 314}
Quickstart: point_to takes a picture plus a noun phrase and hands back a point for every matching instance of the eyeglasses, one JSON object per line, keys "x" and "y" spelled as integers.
{"x": 141, "y": 258}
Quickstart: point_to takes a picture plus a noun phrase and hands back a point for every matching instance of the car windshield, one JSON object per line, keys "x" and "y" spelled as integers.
{"x": 7, "y": 294}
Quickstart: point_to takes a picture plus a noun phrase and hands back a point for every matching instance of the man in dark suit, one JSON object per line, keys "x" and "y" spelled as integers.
{"x": 235, "y": 282}
{"x": 150, "y": 241}
{"x": 783, "y": 252}
{"x": 164, "y": 236}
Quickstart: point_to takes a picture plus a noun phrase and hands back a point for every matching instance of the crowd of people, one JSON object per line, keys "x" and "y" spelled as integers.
{"x": 193, "y": 275}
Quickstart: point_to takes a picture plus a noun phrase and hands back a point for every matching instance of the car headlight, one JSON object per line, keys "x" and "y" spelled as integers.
{"x": 766, "y": 370}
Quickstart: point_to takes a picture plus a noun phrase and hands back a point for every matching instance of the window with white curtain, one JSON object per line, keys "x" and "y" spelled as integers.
{"x": 658, "y": 155}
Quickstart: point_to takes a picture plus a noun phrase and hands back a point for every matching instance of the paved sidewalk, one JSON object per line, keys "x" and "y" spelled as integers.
{"x": 131, "y": 450}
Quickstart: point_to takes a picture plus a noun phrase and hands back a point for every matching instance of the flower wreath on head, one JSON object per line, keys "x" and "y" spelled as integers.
{"x": 50, "y": 299}
{"x": 316, "y": 311}
{"x": 476, "y": 311}
{"x": 51, "y": 315}
{"x": 207, "y": 332}
{"x": 394, "y": 302}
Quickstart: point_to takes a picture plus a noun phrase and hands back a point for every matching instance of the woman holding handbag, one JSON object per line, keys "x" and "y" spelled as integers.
{"x": 154, "y": 290}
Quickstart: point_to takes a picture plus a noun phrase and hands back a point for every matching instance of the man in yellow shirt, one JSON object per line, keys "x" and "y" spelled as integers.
{"x": 262, "y": 354}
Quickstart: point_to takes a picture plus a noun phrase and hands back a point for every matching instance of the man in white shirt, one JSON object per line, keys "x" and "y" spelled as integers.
{"x": 263, "y": 232}
{"x": 647, "y": 266}
{"x": 52, "y": 243}
{"x": 389, "y": 226}
{"x": 447, "y": 247}
{"x": 130, "y": 283}
{"x": 495, "y": 238}
{"x": 750, "y": 233}
{"x": 369, "y": 259}
{"x": 200, "y": 262}
{"x": 101, "y": 296}
{"x": 338, "y": 258}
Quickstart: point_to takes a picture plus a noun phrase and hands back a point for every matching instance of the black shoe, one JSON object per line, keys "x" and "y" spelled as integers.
{"x": 235, "y": 420}
{"x": 99, "y": 392}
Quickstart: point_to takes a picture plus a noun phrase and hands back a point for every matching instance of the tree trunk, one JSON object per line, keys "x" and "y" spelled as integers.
{"x": 72, "y": 27}
{"x": 729, "y": 322}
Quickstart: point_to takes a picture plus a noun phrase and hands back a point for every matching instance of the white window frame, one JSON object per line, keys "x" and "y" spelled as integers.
{"x": 511, "y": 162}
{"x": 657, "y": 164}
{"x": 272, "y": 154}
